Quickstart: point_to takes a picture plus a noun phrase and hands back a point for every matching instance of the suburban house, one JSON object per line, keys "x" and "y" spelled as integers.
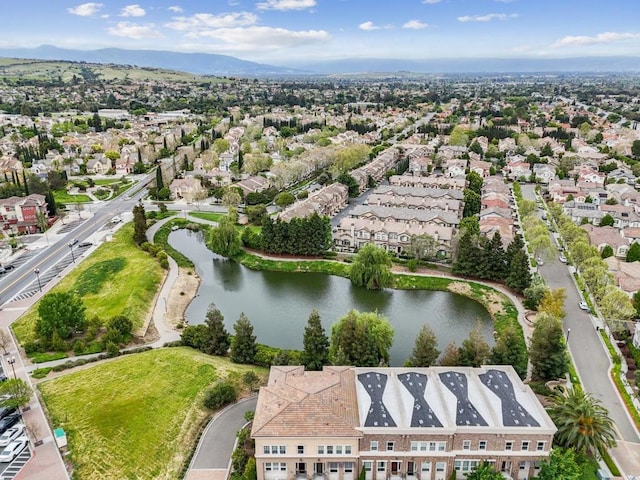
{"x": 253, "y": 184}
{"x": 397, "y": 423}
{"x": 20, "y": 214}
{"x": 189, "y": 188}
{"x": 516, "y": 169}
{"x": 326, "y": 201}
{"x": 427, "y": 182}
{"x": 544, "y": 172}
{"x": 417, "y": 198}
{"x": 99, "y": 165}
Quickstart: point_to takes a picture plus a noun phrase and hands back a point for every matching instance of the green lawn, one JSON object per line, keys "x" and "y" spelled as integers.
{"x": 61, "y": 196}
{"x": 117, "y": 279}
{"x": 137, "y": 416}
{"x": 211, "y": 216}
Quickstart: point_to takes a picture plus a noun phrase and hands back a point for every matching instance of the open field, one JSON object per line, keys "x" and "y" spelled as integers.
{"x": 107, "y": 285}
{"x": 61, "y": 196}
{"x": 139, "y": 414}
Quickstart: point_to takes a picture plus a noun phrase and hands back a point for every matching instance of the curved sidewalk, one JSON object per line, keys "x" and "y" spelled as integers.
{"x": 212, "y": 459}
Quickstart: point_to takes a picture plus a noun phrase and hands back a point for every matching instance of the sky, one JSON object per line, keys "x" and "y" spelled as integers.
{"x": 281, "y": 32}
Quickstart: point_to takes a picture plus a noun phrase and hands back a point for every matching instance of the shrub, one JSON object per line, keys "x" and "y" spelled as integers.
{"x": 112, "y": 349}
{"x": 41, "y": 372}
{"x": 223, "y": 393}
{"x": 412, "y": 265}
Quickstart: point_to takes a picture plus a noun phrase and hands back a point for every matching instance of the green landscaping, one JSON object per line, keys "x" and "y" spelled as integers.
{"x": 62, "y": 196}
{"x": 106, "y": 284}
{"x": 139, "y": 414}
{"x": 210, "y": 216}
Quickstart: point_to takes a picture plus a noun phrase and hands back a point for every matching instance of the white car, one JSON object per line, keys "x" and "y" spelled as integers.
{"x": 11, "y": 434}
{"x": 562, "y": 258}
{"x": 584, "y": 306}
{"x": 12, "y": 450}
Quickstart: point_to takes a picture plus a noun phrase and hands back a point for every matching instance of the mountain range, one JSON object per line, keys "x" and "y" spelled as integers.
{"x": 213, "y": 64}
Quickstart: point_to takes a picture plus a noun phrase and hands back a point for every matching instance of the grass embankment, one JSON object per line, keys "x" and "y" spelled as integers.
{"x": 210, "y": 216}
{"x": 117, "y": 279}
{"x": 62, "y": 196}
{"x": 138, "y": 416}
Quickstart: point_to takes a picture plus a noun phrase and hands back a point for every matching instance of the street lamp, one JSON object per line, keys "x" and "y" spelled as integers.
{"x": 568, "y": 333}
{"x": 73, "y": 259}
{"x": 37, "y": 272}
{"x": 11, "y": 361}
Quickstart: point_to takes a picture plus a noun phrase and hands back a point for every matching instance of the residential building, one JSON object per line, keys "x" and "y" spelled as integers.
{"x": 20, "y": 214}
{"x": 397, "y": 423}
{"x": 326, "y": 201}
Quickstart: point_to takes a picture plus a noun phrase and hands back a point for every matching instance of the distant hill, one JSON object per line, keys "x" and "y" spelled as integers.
{"x": 211, "y": 64}
{"x": 197, "y": 63}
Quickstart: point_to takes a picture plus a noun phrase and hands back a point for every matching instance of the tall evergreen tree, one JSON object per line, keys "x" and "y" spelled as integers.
{"x": 467, "y": 255}
{"x": 316, "y": 343}
{"x": 495, "y": 257}
{"x": 547, "y": 349}
{"x": 510, "y": 349}
{"x": 243, "y": 345}
{"x": 425, "y": 351}
{"x": 159, "y": 179}
{"x": 450, "y": 356}
{"x": 519, "y": 276}
{"x": 26, "y": 185}
{"x": 217, "y": 339}
{"x": 139, "y": 224}
{"x": 475, "y": 350}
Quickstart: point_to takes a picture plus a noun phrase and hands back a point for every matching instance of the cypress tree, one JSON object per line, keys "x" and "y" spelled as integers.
{"x": 217, "y": 342}
{"x": 159, "y": 180}
{"x": 425, "y": 351}
{"x": 316, "y": 343}
{"x": 26, "y": 186}
{"x": 139, "y": 224}
{"x": 243, "y": 345}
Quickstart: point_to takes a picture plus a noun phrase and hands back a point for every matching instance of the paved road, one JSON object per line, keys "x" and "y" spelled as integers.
{"x": 216, "y": 445}
{"x": 589, "y": 354}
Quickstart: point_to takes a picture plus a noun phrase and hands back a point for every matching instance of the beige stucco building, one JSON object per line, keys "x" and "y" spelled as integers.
{"x": 398, "y": 423}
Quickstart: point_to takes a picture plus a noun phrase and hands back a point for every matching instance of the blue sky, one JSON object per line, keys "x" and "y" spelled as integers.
{"x": 282, "y": 31}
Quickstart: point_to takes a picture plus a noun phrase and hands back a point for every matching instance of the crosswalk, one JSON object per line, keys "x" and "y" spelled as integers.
{"x": 16, "y": 465}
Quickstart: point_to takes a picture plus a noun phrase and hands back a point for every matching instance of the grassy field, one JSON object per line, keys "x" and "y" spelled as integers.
{"x": 61, "y": 196}
{"x": 108, "y": 283}
{"x": 211, "y": 216}
{"x": 139, "y": 414}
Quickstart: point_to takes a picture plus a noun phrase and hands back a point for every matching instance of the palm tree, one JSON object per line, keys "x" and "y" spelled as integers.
{"x": 583, "y": 422}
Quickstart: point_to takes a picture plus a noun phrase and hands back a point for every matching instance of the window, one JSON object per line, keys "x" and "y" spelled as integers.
{"x": 482, "y": 445}
{"x": 382, "y": 466}
{"x": 300, "y": 449}
{"x": 329, "y": 449}
{"x": 348, "y": 467}
{"x": 540, "y": 446}
{"x": 373, "y": 446}
{"x": 333, "y": 467}
{"x": 367, "y": 465}
{"x": 320, "y": 449}
{"x": 266, "y": 450}
{"x": 338, "y": 449}
{"x": 347, "y": 449}
{"x": 275, "y": 467}
{"x": 466, "y": 444}
{"x": 283, "y": 449}
{"x": 508, "y": 445}
{"x": 441, "y": 466}
{"x": 426, "y": 466}
{"x": 465, "y": 466}
{"x": 274, "y": 449}
{"x": 522, "y": 465}
{"x": 525, "y": 445}
{"x": 442, "y": 446}
{"x": 432, "y": 446}
{"x": 389, "y": 446}
{"x": 418, "y": 446}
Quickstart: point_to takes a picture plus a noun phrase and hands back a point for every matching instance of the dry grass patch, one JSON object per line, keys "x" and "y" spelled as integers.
{"x": 136, "y": 416}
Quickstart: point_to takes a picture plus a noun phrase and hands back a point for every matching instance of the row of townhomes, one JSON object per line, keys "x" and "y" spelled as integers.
{"x": 397, "y": 423}
{"x": 497, "y": 214}
{"x": 20, "y": 214}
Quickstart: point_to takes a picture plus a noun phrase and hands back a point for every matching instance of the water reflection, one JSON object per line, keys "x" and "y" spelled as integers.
{"x": 278, "y": 304}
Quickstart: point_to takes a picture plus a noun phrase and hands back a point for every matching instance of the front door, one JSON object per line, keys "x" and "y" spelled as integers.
{"x": 395, "y": 468}
{"x": 301, "y": 468}
{"x": 318, "y": 468}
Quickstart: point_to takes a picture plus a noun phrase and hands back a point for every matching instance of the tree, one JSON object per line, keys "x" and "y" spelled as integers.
{"x": 552, "y": 302}
{"x": 361, "y": 340}
{"x": 423, "y": 247}
{"x": 471, "y": 203}
{"x": 217, "y": 338}
{"x": 371, "y": 268}
{"x": 61, "y": 314}
{"x": 484, "y": 471}
{"x": 15, "y": 393}
{"x": 243, "y": 345}
{"x": 607, "y": 221}
{"x": 159, "y": 179}
{"x": 221, "y": 394}
{"x": 284, "y": 199}
{"x": 635, "y": 148}
{"x": 475, "y": 350}
{"x": 561, "y": 465}
{"x": 316, "y": 344}
{"x": 225, "y": 239}
{"x": 5, "y": 341}
{"x": 607, "y": 252}
{"x": 425, "y": 351}
{"x": 231, "y": 197}
{"x": 583, "y": 422}
{"x": 519, "y": 276}
{"x": 633, "y": 254}
{"x": 547, "y": 349}
{"x": 510, "y": 349}
{"x": 139, "y": 224}
{"x": 616, "y": 308}
{"x": 475, "y": 182}
{"x": 450, "y": 356}
{"x": 350, "y": 183}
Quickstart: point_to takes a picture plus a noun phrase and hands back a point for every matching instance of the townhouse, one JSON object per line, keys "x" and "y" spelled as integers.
{"x": 20, "y": 214}
{"x": 397, "y": 423}
{"x": 326, "y": 201}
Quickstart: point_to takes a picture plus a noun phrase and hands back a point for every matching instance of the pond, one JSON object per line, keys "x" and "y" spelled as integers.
{"x": 278, "y": 304}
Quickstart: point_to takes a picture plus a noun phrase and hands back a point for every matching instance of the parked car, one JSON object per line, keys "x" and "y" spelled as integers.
{"x": 85, "y": 244}
{"x": 8, "y": 266}
{"x": 5, "y": 411}
{"x": 539, "y": 261}
{"x": 74, "y": 241}
{"x": 3, "y": 377}
{"x": 8, "y": 436}
{"x": 562, "y": 258}
{"x": 584, "y": 306}
{"x": 7, "y": 423}
{"x": 2, "y": 270}
{"x": 12, "y": 450}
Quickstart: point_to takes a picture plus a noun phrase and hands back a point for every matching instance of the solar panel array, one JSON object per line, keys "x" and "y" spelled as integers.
{"x": 422, "y": 414}
{"x": 466, "y": 413}
{"x": 378, "y": 414}
{"x": 513, "y": 413}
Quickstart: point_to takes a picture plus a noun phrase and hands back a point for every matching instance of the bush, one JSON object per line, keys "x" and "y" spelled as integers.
{"x": 412, "y": 265}
{"x": 221, "y": 394}
{"x": 41, "y": 372}
{"x": 112, "y": 349}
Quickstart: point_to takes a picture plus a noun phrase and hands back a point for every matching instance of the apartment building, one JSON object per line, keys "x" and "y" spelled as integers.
{"x": 397, "y": 423}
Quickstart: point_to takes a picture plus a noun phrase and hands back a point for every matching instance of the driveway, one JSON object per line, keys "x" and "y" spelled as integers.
{"x": 213, "y": 454}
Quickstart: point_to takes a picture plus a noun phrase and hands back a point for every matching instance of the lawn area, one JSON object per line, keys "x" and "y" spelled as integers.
{"x": 61, "y": 196}
{"x": 107, "y": 284}
{"x": 139, "y": 414}
{"x": 211, "y": 216}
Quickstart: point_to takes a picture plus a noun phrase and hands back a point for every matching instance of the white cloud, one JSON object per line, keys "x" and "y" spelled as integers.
{"x": 86, "y": 9}
{"x": 415, "y": 25}
{"x": 175, "y": 9}
{"x": 257, "y": 38}
{"x": 487, "y": 18}
{"x": 134, "y": 30}
{"x": 204, "y": 21}
{"x": 285, "y": 4}
{"x": 368, "y": 26}
{"x": 585, "y": 40}
{"x": 134, "y": 10}
{"x": 431, "y": 2}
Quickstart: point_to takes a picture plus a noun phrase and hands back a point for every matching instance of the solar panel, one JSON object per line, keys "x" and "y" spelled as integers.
{"x": 466, "y": 413}
{"x": 378, "y": 415}
{"x": 513, "y": 414}
{"x": 423, "y": 415}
